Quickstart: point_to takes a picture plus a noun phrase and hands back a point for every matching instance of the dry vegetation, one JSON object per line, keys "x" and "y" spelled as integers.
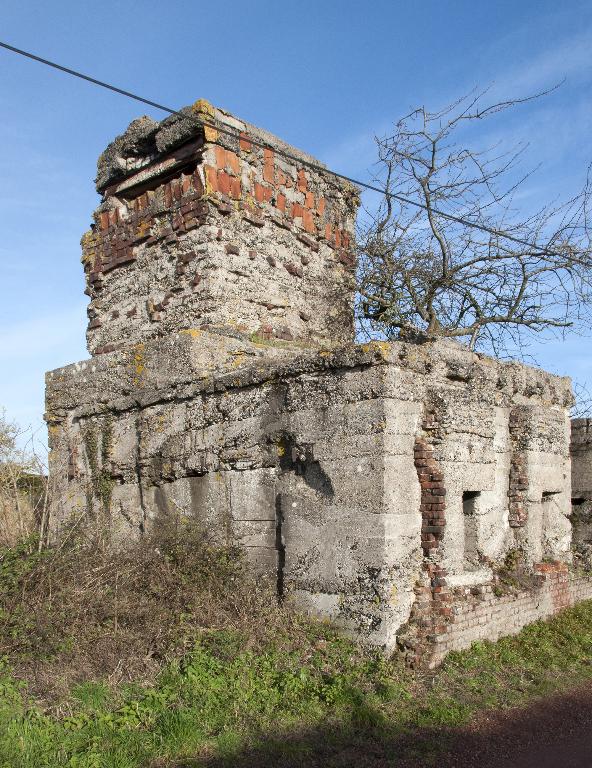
{"x": 81, "y": 613}
{"x": 23, "y": 487}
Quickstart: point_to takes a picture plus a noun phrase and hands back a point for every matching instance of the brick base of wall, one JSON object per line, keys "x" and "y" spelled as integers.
{"x": 478, "y": 613}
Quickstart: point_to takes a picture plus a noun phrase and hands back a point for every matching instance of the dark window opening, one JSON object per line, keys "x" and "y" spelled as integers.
{"x": 548, "y": 495}
{"x": 471, "y": 555}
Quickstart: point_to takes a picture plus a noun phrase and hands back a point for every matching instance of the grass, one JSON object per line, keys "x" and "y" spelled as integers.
{"x": 241, "y": 691}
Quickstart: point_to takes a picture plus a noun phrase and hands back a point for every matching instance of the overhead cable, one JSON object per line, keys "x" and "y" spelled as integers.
{"x": 282, "y": 153}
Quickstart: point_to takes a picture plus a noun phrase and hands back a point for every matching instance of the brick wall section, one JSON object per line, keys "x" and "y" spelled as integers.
{"x": 120, "y": 230}
{"x": 265, "y": 184}
{"x": 219, "y": 216}
{"x": 444, "y": 618}
{"x": 478, "y": 614}
{"x": 432, "y": 607}
{"x": 433, "y": 493}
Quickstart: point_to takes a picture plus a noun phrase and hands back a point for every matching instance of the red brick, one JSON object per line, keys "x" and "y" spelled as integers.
{"x": 302, "y": 182}
{"x": 338, "y": 238}
{"x": 308, "y": 241}
{"x": 185, "y": 183}
{"x": 281, "y": 178}
{"x": 244, "y": 143}
{"x": 232, "y": 161}
{"x": 347, "y": 258}
{"x": 212, "y": 178}
{"x": 197, "y": 184}
{"x": 281, "y": 202}
{"x": 308, "y": 222}
{"x": 328, "y": 232}
{"x": 294, "y": 269}
{"x": 235, "y": 188}
{"x": 223, "y": 182}
{"x": 309, "y": 200}
{"x": 220, "y": 154}
{"x": 104, "y": 220}
{"x": 297, "y": 210}
{"x": 259, "y": 192}
{"x": 168, "y": 195}
{"x": 321, "y": 207}
{"x": 268, "y": 165}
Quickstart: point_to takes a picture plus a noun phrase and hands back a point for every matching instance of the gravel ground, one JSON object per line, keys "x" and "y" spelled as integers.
{"x": 552, "y": 733}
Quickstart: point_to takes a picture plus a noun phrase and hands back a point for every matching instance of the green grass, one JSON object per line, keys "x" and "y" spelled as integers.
{"x": 219, "y": 701}
{"x": 222, "y": 675}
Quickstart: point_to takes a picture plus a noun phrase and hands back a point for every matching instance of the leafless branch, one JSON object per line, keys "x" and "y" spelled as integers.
{"x": 424, "y": 272}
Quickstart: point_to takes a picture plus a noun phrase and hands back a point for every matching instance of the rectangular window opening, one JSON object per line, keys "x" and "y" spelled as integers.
{"x": 548, "y": 495}
{"x": 469, "y": 503}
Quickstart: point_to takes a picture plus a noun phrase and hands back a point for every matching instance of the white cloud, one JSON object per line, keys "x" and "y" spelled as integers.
{"x": 569, "y": 59}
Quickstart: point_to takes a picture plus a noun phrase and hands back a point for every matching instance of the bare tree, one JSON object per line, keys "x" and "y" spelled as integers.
{"x": 448, "y": 253}
{"x": 582, "y": 408}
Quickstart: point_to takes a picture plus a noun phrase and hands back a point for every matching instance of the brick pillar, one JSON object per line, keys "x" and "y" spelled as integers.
{"x": 518, "y": 484}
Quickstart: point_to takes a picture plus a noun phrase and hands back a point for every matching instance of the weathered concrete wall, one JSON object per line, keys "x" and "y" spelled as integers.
{"x": 581, "y": 490}
{"x": 310, "y": 459}
{"x": 581, "y": 458}
{"x": 199, "y": 229}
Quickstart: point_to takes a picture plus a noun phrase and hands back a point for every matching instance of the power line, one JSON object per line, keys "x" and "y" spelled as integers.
{"x": 281, "y": 153}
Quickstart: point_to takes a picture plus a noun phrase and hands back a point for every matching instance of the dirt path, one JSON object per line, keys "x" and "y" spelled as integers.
{"x": 553, "y": 733}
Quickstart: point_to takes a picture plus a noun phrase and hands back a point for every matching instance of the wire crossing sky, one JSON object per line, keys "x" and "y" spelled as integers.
{"x": 321, "y": 76}
{"x": 287, "y": 155}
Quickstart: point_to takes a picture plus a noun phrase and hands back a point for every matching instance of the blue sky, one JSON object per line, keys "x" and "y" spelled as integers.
{"x": 326, "y": 76}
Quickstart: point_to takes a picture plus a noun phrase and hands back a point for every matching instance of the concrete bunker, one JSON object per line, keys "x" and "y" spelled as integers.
{"x": 376, "y": 484}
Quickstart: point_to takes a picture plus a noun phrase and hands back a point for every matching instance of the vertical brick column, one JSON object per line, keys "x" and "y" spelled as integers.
{"x": 518, "y": 485}
{"x": 433, "y": 493}
{"x": 432, "y": 609}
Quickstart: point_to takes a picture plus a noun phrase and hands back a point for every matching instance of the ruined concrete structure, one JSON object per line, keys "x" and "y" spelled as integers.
{"x": 381, "y": 485}
{"x": 581, "y": 483}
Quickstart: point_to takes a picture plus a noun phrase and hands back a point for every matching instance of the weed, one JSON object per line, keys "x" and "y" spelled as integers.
{"x": 202, "y": 665}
